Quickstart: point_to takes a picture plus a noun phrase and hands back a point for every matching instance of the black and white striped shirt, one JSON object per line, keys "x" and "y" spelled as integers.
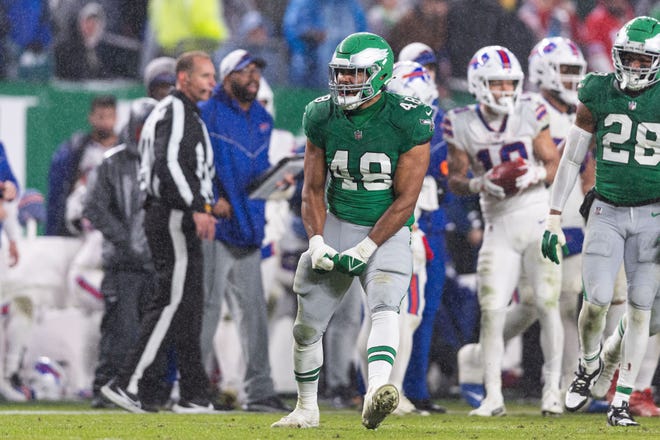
{"x": 177, "y": 165}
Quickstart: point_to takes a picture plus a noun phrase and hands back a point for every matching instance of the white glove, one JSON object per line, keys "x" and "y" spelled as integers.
{"x": 553, "y": 238}
{"x": 484, "y": 184}
{"x": 353, "y": 261}
{"x": 534, "y": 175}
{"x": 322, "y": 255}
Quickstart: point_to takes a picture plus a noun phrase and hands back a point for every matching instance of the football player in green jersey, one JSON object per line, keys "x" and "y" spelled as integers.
{"x": 373, "y": 146}
{"x": 621, "y": 111}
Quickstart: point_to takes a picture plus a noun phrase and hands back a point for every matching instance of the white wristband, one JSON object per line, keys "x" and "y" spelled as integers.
{"x": 316, "y": 241}
{"x": 553, "y": 222}
{"x": 475, "y": 185}
{"x": 542, "y": 173}
{"x": 366, "y": 248}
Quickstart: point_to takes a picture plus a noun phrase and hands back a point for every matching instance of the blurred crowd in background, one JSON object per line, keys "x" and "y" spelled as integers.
{"x": 76, "y": 40}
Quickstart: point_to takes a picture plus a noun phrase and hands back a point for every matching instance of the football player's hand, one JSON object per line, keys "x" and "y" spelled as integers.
{"x": 484, "y": 184}
{"x": 353, "y": 261}
{"x": 532, "y": 176}
{"x": 553, "y": 239}
{"x": 323, "y": 256}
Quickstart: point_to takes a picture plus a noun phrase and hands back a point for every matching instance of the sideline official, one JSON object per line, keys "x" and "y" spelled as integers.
{"x": 176, "y": 172}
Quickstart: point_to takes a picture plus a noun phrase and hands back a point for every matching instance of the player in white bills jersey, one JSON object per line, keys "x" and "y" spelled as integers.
{"x": 556, "y": 66}
{"x": 506, "y": 126}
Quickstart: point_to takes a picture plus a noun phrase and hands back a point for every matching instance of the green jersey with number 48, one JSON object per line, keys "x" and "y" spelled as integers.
{"x": 362, "y": 149}
{"x": 627, "y": 140}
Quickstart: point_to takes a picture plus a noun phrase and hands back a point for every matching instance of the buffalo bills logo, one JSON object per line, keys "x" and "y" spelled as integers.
{"x": 549, "y": 48}
{"x": 476, "y": 62}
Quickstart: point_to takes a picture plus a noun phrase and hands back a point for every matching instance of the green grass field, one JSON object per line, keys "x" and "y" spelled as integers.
{"x": 78, "y": 421}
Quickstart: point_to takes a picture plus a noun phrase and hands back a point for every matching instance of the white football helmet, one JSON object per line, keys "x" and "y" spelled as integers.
{"x": 266, "y": 96}
{"x": 412, "y": 79}
{"x": 548, "y": 58}
{"x": 47, "y": 379}
{"x": 495, "y": 63}
{"x": 640, "y": 35}
{"x": 419, "y": 52}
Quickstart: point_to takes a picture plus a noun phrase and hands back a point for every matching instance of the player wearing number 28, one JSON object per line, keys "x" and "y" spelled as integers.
{"x": 621, "y": 110}
{"x": 375, "y": 147}
{"x": 506, "y": 125}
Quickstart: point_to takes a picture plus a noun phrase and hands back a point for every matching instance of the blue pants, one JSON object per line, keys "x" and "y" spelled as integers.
{"x": 414, "y": 383}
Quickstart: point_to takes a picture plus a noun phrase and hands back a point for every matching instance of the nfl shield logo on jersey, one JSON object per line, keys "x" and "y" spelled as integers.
{"x": 632, "y": 105}
{"x": 358, "y": 135}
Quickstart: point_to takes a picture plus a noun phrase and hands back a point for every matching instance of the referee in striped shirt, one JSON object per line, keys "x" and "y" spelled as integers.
{"x": 176, "y": 172}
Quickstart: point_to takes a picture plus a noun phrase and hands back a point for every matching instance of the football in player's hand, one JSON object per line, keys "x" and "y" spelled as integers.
{"x": 506, "y": 173}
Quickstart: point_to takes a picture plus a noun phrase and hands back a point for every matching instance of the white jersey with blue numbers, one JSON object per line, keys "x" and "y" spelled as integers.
{"x": 467, "y": 129}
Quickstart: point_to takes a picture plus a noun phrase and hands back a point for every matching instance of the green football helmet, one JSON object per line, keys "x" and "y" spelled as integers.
{"x": 363, "y": 55}
{"x": 640, "y": 35}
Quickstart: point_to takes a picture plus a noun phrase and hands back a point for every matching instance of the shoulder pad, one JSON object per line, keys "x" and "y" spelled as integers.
{"x": 320, "y": 108}
{"x": 408, "y": 110}
{"x": 593, "y": 84}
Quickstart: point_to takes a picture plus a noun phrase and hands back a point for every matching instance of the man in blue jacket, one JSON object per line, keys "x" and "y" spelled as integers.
{"x": 240, "y": 129}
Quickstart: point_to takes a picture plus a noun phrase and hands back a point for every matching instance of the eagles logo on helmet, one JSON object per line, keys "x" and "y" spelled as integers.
{"x": 640, "y": 36}
{"x": 367, "y": 56}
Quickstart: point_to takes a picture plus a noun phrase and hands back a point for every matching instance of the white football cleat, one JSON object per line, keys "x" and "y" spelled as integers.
{"x": 299, "y": 418}
{"x": 579, "y": 391}
{"x": 620, "y": 416}
{"x": 551, "y": 404}
{"x": 489, "y": 408}
{"x": 378, "y": 405}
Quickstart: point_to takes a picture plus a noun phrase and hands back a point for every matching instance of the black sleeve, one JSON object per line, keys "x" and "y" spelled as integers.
{"x": 97, "y": 208}
{"x": 179, "y": 186}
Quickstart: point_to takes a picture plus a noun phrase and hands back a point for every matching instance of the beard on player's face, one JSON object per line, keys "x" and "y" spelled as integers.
{"x": 103, "y": 133}
{"x": 245, "y": 93}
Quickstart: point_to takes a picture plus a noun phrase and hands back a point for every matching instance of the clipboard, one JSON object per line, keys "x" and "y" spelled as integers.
{"x": 266, "y": 184}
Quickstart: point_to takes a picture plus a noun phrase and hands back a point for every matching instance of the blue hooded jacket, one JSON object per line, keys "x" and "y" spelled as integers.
{"x": 240, "y": 142}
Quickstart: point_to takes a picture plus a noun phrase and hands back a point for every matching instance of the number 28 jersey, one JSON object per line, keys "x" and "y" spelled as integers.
{"x": 627, "y": 140}
{"x": 362, "y": 151}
